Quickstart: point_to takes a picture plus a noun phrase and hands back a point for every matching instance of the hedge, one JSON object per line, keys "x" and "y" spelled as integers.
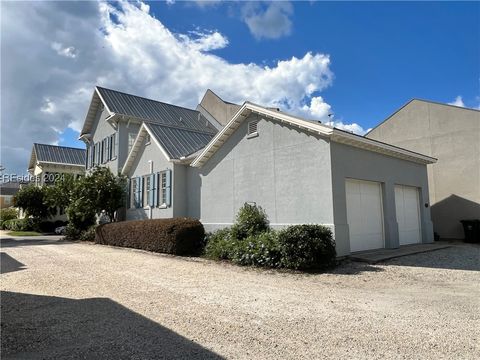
{"x": 178, "y": 236}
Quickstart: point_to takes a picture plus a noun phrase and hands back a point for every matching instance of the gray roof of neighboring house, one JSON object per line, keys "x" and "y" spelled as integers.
{"x": 59, "y": 154}
{"x": 154, "y": 111}
{"x": 179, "y": 143}
{"x": 11, "y": 187}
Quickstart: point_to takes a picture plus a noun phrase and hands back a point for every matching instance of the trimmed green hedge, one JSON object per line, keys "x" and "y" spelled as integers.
{"x": 26, "y": 224}
{"x": 178, "y": 236}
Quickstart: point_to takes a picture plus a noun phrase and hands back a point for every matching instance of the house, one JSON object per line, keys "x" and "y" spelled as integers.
{"x": 452, "y": 135}
{"x": 7, "y": 192}
{"x": 49, "y": 162}
{"x": 206, "y": 163}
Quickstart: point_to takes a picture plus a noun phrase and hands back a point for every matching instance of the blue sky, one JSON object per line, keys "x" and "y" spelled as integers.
{"x": 383, "y": 54}
{"x": 357, "y": 60}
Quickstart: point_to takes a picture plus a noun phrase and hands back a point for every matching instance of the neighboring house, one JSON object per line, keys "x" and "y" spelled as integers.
{"x": 48, "y": 163}
{"x": 372, "y": 195}
{"x": 7, "y": 191}
{"x": 452, "y": 135}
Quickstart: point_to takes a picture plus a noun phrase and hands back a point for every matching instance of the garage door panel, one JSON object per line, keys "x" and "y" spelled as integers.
{"x": 364, "y": 214}
{"x": 407, "y": 205}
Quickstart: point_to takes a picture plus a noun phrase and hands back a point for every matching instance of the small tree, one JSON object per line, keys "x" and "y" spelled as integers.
{"x": 33, "y": 200}
{"x": 61, "y": 193}
{"x": 109, "y": 191}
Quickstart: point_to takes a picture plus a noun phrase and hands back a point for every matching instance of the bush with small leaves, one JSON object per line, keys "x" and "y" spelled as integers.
{"x": 258, "y": 250}
{"x": 250, "y": 220}
{"x": 307, "y": 247}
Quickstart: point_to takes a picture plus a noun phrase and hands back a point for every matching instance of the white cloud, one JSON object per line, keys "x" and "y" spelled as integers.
{"x": 69, "y": 51}
{"x": 124, "y": 47}
{"x": 48, "y": 106}
{"x": 204, "y": 40}
{"x": 354, "y": 127}
{"x": 271, "y": 22}
{"x": 457, "y": 102}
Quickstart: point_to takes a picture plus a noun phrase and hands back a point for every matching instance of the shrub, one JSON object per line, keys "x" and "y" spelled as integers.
{"x": 258, "y": 250}
{"x": 8, "y": 214}
{"x": 88, "y": 235}
{"x": 219, "y": 245}
{"x": 250, "y": 220}
{"x": 179, "y": 236}
{"x": 307, "y": 247}
{"x": 72, "y": 232}
{"x": 26, "y": 224}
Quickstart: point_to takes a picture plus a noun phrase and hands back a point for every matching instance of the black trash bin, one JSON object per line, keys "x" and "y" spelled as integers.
{"x": 472, "y": 230}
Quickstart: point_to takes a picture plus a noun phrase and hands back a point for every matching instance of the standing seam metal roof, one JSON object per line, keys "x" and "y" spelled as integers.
{"x": 59, "y": 154}
{"x": 154, "y": 111}
{"x": 179, "y": 142}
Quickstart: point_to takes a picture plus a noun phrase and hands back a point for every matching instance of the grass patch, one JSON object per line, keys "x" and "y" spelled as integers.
{"x": 24, "y": 233}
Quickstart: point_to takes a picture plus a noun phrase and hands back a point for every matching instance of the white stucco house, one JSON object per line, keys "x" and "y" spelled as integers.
{"x": 206, "y": 163}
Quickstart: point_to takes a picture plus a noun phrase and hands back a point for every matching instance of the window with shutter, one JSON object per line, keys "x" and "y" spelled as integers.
{"x": 168, "y": 180}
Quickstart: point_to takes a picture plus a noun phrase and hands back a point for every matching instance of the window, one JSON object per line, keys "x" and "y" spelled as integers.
{"x": 147, "y": 191}
{"x": 87, "y": 158}
{"x": 91, "y": 155}
{"x": 107, "y": 155}
{"x": 152, "y": 190}
{"x": 252, "y": 128}
{"x": 136, "y": 192}
{"x": 131, "y": 140}
{"x": 112, "y": 146}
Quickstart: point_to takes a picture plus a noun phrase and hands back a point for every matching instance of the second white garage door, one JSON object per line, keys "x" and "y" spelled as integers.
{"x": 407, "y": 205}
{"x": 364, "y": 214}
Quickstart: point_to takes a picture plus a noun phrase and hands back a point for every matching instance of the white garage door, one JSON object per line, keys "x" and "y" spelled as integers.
{"x": 364, "y": 214}
{"x": 407, "y": 204}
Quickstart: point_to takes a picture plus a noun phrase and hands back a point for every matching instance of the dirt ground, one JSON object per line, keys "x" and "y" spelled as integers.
{"x": 80, "y": 300}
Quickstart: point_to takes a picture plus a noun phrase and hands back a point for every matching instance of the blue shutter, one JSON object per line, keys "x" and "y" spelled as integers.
{"x": 168, "y": 186}
{"x": 150, "y": 191}
{"x": 140, "y": 191}
{"x": 137, "y": 192}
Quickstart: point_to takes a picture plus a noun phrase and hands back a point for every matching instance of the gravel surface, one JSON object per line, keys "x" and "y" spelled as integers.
{"x": 79, "y": 300}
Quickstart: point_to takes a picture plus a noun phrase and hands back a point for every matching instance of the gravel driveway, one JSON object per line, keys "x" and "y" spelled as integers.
{"x": 79, "y": 300}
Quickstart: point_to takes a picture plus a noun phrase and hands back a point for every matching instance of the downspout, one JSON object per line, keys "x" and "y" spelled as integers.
{"x": 150, "y": 206}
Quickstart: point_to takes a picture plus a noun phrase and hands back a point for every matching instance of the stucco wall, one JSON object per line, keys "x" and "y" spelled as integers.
{"x": 350, "y": 162}
{"x": 141, "y": 166}
{"x": 452, "y": 135}
{"x": 284, "y": 170}
{"x": 100, "y": 130}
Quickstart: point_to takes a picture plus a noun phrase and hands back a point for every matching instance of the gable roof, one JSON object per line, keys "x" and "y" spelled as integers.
{"x": 175, "y": 144}
{"x": 333, "y": 134}
{"x": 53, "y": 154}
{"x": 419, "y": 100}
{"x": 136, "y": 107}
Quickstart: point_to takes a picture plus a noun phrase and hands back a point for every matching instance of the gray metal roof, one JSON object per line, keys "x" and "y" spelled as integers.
{"x": 59, "y": 154}
{"x": 154, "y": 111}
{"x": 179, "y": 142}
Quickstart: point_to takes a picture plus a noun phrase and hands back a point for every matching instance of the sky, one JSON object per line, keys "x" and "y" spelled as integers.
{"x": 349, "y": 64}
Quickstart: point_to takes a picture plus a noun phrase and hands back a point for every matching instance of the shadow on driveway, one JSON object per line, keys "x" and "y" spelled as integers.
{"x": 457, "y": 257}
{"x": 7, "y": 242}
{"x": 9, "y": 264}
{"x": 42, "y": 327}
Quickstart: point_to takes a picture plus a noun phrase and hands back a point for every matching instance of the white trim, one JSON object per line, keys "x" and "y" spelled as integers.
{"x": 136, "y": 145}
{"x": 59, "y": 164}
{"x": 318, "y": 128}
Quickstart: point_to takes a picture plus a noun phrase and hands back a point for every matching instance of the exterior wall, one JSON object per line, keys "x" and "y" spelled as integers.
{"x": 219, "y": 109}
{"x": 100, "y": 130}
{"x": 6, "y": 201}
{"x": 350, "y": 162}
{"x": 41, "y": 169}
{"x": 141, "y": 166}
{"x": 283, "y": 170}
{"x": 452, "y": 135}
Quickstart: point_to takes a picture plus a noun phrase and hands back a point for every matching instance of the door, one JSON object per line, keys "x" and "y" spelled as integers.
{"x": 364, "y": 214}
{"x": 407, "y": 204}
